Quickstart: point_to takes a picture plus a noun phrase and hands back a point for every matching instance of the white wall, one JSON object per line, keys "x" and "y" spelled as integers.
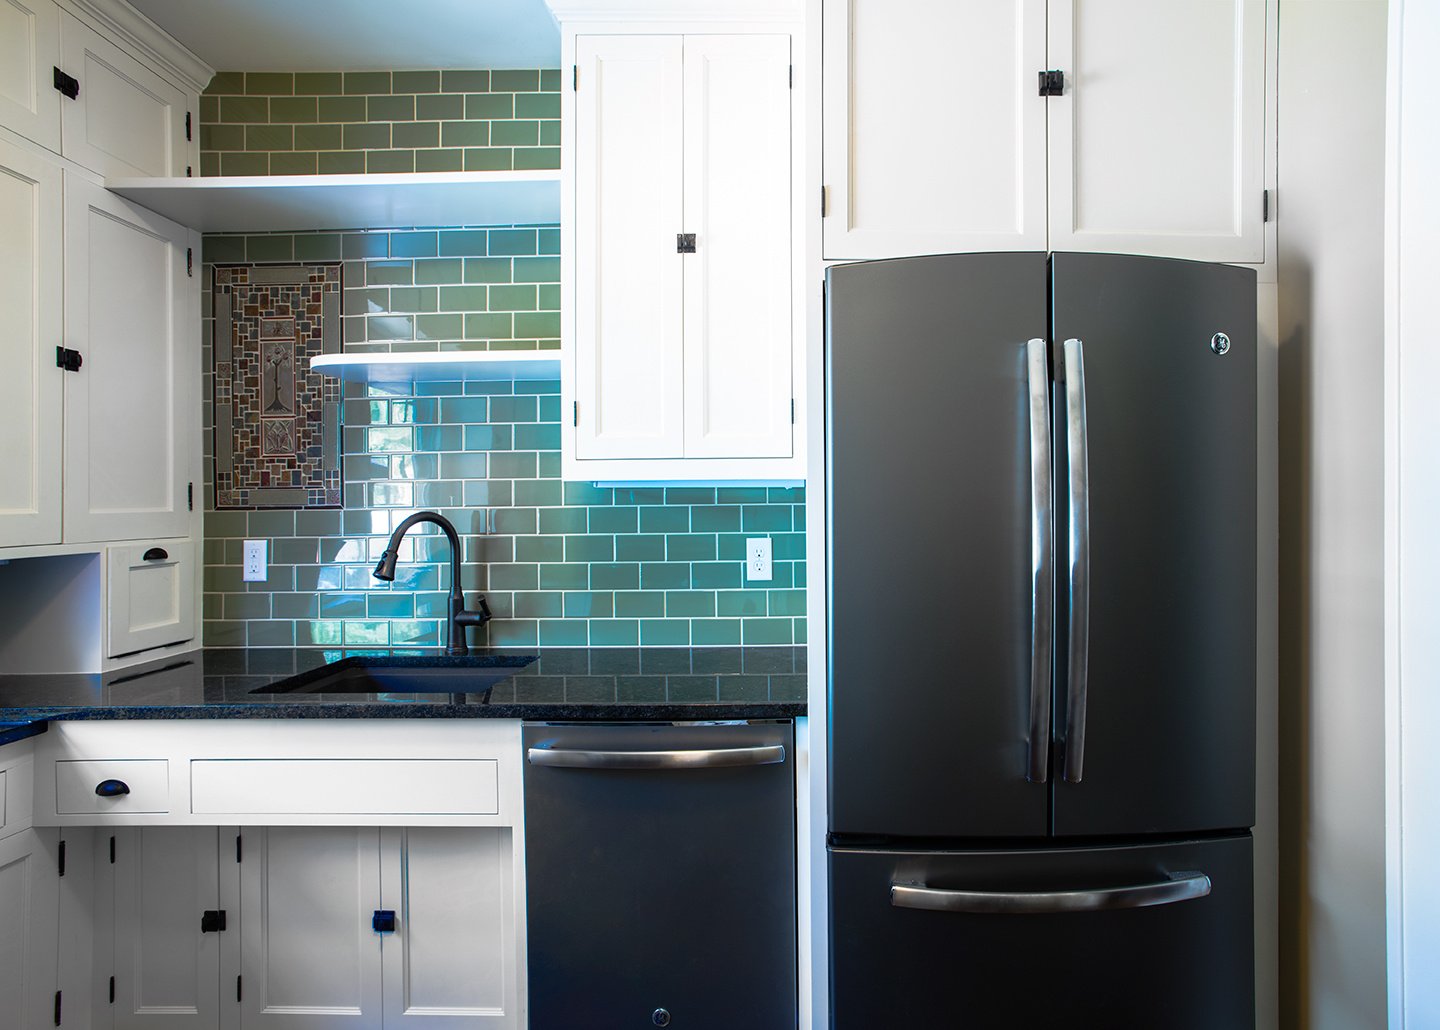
{"x": 1330, "y": 203}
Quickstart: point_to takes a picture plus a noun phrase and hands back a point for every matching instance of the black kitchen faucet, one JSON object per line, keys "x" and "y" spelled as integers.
{"x": 459, "y": 617}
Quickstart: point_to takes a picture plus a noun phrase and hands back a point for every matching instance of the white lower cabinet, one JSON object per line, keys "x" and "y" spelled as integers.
{"x": 29, "y": 916}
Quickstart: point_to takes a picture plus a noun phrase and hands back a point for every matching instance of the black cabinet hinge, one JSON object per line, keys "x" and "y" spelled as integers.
{"x": 62, "y": 858}
{"x": 824, "y": 198}
{"x": 69, "y": 360}
{"x": 684, "y": 243}
{"x": 239, "y": 852}
{"x": 67, "y": 84}
{"x": 189, "y": 171}
{"x": 190, "y": 506}
{"x": 237, "y": 987}
{"x": 188, "y": 137}
{"x": 792, "y": 76}
{"x": 792, "y": 411}
{"x": 190, "y": 261}
{"x": 112, "y": 990}
{"x": 1052, "y": 83}
{"x": 57, "y": 1008}
{"x": 1265, "y": 207}
{"x": 112, "y": 850}
{"x": 212, "y": 921}
{"x": 574, "y": 413}
{"x": 575, "y": 77}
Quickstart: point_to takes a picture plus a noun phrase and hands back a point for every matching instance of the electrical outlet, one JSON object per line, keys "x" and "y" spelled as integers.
{"x": 255, "y": 561}
{"x": 757, "y": 558}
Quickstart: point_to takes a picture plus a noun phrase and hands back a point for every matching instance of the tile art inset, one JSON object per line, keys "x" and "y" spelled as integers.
{"x": 277, "y": 424}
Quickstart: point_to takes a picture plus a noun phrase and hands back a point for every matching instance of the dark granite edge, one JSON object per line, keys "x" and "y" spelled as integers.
{"x": 10, "y": 734}
{"x": 558, "y": 711}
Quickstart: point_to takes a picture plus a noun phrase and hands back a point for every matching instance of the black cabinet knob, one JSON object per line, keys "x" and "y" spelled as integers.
{"x": 112, "y": 788}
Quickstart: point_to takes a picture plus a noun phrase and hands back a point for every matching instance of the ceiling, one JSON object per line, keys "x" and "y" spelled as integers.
{"x": 337, "y": 35}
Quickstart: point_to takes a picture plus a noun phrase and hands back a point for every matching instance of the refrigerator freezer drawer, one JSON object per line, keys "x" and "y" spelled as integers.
{"x": 1120, "y": 938}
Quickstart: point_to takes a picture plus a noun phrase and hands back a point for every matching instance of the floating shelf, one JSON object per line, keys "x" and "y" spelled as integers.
{"x": 271, "y": 203}
{"x": 446, "y": 366}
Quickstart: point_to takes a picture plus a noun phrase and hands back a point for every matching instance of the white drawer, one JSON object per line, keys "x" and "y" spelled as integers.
{"x": 150, "y": 595}
{"x": 343, "y": 786}
{"x": 148, "y": 781}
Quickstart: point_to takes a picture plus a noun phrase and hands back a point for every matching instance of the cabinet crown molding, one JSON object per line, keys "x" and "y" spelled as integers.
{"x": 690, "y": 11}
{"x": 148, "y": 40}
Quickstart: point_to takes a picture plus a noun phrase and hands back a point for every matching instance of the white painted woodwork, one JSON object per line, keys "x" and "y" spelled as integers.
{"x": 167, "y": 973}
{"x": 87, "y": 999}
{"x": 149, "y": 603}
{"x": 934, "y": 127}
{"x": 309, "y": 958}
{"x": 1157, "y": 145}
{"x": 452, "y": 963}
{"x": 628, "y": 349}
{"x": 127, "y": 120}
{"x": 29, "y": 49}
{"x": 147, "y": 778}
{"x": 737, "y": 283}
{"x": 127, "y": 444}
{"x": 3, "y": 801}
{"x": 29, "y": 913}
{"x": 445, "y": 366}
{"x": 30, "y": 318}
{"x": 277, "y": 203}
{"x": 17, "y": 786}
{"x": 354, "y": 786}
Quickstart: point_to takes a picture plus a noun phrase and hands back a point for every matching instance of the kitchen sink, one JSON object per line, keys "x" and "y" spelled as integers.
{"x": 380, "y": 675}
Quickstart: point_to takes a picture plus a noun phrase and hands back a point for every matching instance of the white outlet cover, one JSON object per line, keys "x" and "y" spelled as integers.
{"x": 757, "y": 559}
{"x": 254, "y": 568}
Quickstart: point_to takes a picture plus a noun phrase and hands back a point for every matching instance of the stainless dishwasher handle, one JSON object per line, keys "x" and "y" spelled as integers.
{"x": 1178, "y": 887}
{"x": 708, "y": 758}
{"x": 1042, "y": 560}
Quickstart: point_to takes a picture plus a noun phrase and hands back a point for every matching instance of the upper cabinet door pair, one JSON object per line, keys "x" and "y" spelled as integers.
{"x": 682, "y": 238}
{"x": 937, "y": 138}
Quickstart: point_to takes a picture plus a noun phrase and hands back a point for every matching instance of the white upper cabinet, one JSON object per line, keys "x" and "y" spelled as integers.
{"x": 1156, "y": 145}
{"x": 126, "y": 119}
{"x": 30, "y": 319}
{"x": 934, "y": 126}
{"x": 937, "y": 137}
{"x": 128, "y": 313}
{"x": 29, "y": 51}
{"x": 683, "y": 274}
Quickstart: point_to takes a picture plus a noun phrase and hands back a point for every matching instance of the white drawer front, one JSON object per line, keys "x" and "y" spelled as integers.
{"x": 150, "y": 601}
{"x": 343, "y": 786}
{"x": 148, "y": 780}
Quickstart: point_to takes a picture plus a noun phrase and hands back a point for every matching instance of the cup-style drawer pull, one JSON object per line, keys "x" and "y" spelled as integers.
{"x": 112, "y": 788}
{"x": 155, "y": 554}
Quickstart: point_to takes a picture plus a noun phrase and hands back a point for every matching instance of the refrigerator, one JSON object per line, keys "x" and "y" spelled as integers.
{"x": 1041, "y": 559}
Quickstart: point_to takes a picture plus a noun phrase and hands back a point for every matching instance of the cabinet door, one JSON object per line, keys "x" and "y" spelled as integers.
{"x": 29, "y": 49}
{"x": 451, "y": 963}
{"x": 309, "y": 958}
{"x": 149, "y": 595}
{"x": 126, "y": 442}
{"x": 934, "y": 127}
{"x": 30, "y": 313}
{"x": 29, "y": 913}
{"x": 1157, "y": 145}
{"x": 737, "y": 283}
{"x": 167, "y": 972}
{"x": 127, "y": 120}
{"x": 629, "y": 361}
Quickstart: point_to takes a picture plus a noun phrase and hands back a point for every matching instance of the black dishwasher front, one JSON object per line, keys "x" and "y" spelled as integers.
{"x": 660, "y": 868}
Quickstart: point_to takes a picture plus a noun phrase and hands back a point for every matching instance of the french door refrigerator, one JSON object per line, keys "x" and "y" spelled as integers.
{"x": 1041, "y": 498}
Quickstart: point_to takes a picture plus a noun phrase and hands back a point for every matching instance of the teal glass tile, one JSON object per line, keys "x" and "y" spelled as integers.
{"x": 515, "y": 577}
{"x": 801, "y": 631}
{"x": 564, "y": 577}
{"x": 385, "y": 273}
{"x": 589, "y": 604}
{"x": 514, "y": 242}
{"x": 664, "y": 520}
{"x": 664, "y": 632}
{"x": 489, "y": 106}
{"x": 514, "y": 409}
{"x": 563, "y": 633}
{"x": 440, "y": 107}
{"x": 766, "y": 631}
{"x": 665, "y": 576}
{"x": 713, "y": 518}
{"x": 788, "y": 546}
{"x": 548, "y": 240}
{"x": 490, "y": 438}
{"x": 787, "y": 602}
{"x": 464, "y": 243}
{"x": 463, "y": 298}
{"x": 640, "y": 603}
{"x": 539, "y": 492}
{"x": 439, "y": 271}
{"x": 614, "y": 576}
{"x": 716, "y": 575}
{"x": 367, "y": 136}
{"x": 742, "y": 603}
{"x": 439, "y": 161}
{"x": 354, "y": 246}
{"x": 423, "y": 633}
{"x": 465, "y": 81}
{"x": 690, "y": 495}
{"x": 550, "y": 80}
{"x": 390, "y": 108}
{"x": 513, "y": 633}
{"x": 317, "y": 247}
{"x": 489, "y": 159}
{"x": 514, "y": 133}
{"x": 766, "y": 518}
{"x": 464, "y": 134}
{"x": 281, "y": 83}
{"x": 513, "y": 465}
{"x": 741, "y": 495}
{"x": 537, "y": 105}
{"x": 342, "y": 163}
{"x": 515, "y": 520}
{"x": 390, "y": 605}
{"x": 367, "y": 82}
{"x": 589, "y": 548}
{"x": 539, "y": 605}
{"x": 487, "y": 269}
{"x": 269, "y": 248}
{"x": 614, "y": 633}
{"x": 564, "y": 520}
{"x": 540, "y": 548}
{"x": 390, "y": 438}
{"x": 690, "y": 547}
{"x": 512, "y": 298}
{"x": 641, "y": 548}
{"x": 356, "y": 632}
{"x": 613, "y": 520}
{"x": 689, "y": 603}
{"x": 226, "y": 82}
{"x": 714, "y": 632}
{"x": 536, "y": 270}
{"x": 414, "y": 244}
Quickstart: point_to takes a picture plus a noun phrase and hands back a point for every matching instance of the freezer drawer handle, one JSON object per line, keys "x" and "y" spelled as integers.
{"x": 1178, "y": 887}
{"x": 716, "y": 758}
{"x": 1078, "y": 453}
{"x": 1042, "y": 560}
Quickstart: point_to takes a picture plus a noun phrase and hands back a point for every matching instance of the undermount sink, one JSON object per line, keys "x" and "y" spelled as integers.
{"x": 379, "y": 675}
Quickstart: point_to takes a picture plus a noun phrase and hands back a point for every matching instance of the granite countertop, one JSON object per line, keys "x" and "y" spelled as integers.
{"x": 561, "y": 684}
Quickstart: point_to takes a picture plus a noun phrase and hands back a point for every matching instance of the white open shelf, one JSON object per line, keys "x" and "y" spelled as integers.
{"x": 446, "y": 366}
{"x": 277, "y": 203}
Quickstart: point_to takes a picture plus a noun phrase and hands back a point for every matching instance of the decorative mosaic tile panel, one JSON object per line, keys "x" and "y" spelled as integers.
{"x": 277, "y": 425}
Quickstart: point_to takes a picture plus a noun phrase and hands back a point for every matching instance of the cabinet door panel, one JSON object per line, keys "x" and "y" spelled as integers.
{"x": 29, "y": 912}
{"x": 167, "y": 973}
{"x": 30, "y": 313}
{"x": 309, "y": 958}
{"x": 934, "y": 127}
{"x": 451, "y": 964}
{"x": 127, "y": 120}
{"x": 737, "y": 283}
{"x": 126, "y": 451}
{"x": 1157, "y": 146}
{"x": 29, "y": 48}
{"x": 629, "y": 363}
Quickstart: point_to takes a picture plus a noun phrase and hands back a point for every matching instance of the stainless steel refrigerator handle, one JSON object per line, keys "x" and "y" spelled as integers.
{"x": 1178, "y": 887}
{"x": 711, "y": 758}
{"x": 1078, "y": 460}
{"x": 1042, "y": 559}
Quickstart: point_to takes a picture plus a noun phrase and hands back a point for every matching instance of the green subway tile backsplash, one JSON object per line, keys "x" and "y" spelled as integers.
{"x": 283, "y": 123}
{"x": 559, "y": 562}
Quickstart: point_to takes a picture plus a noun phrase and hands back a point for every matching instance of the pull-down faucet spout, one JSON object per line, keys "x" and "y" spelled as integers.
{"x": 459, "y": 617}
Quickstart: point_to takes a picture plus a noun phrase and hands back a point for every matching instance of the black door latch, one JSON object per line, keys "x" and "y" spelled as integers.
{"x": 1052, "y": 83}
{"x": 383, "y": 921}
{"x": 67, "y": 84}
{"x": 212, "y": 921}
{"x": 684, "y": 243}
{"x": 68, "y": 359}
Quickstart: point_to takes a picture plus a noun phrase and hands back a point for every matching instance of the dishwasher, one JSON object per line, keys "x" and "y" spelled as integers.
{"x": 660, "y": 869}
